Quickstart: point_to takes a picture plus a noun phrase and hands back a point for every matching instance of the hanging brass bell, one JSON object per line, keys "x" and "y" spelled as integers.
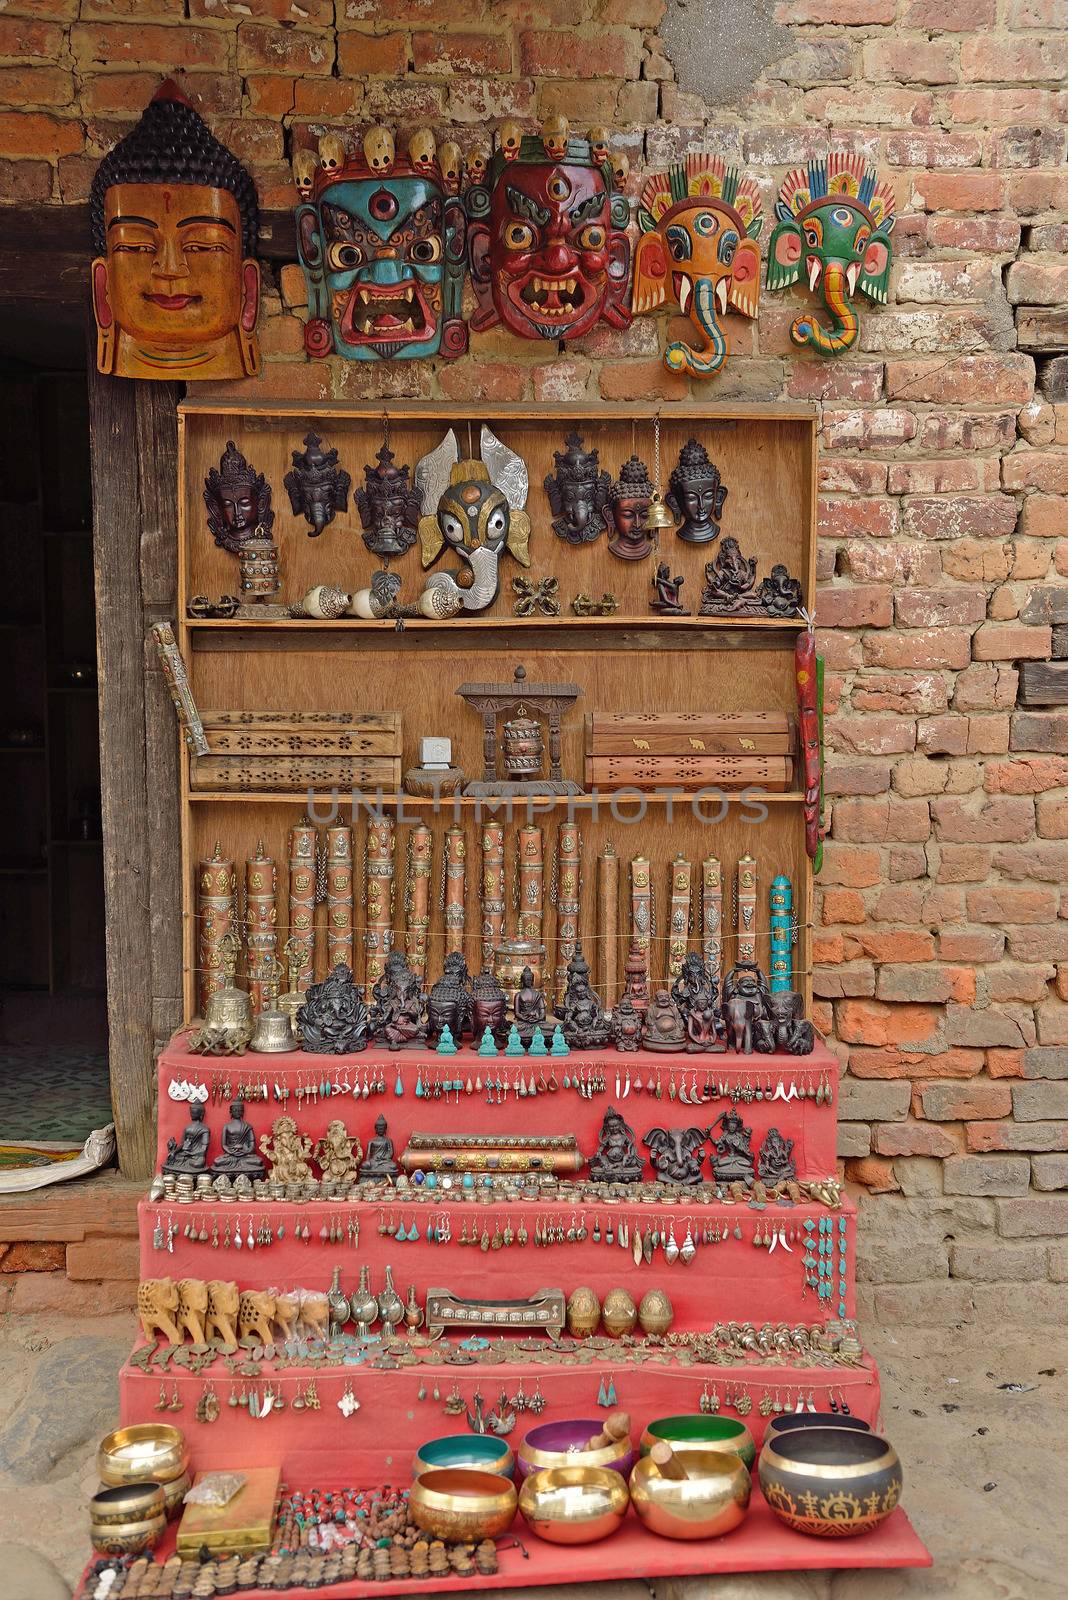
{"x": 658, "y": 516}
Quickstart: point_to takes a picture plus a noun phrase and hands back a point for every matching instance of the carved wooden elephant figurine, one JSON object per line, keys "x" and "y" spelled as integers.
{"x": 741, "y": 1013}
{"x": 315, "y": 1315}
{"x": 157, "y": 1300}
{"x": 255, "y": 1315}
{"x": 192, "y": 1304}
{"x": 221, "y": 1318}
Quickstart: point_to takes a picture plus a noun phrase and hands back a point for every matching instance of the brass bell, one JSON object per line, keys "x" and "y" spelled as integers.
{"x": 273, "y": 1032}
{"x": 658, "y": 516}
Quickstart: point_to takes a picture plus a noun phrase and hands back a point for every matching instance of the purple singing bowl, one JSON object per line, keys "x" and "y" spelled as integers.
{"x": 559, "y": 1444}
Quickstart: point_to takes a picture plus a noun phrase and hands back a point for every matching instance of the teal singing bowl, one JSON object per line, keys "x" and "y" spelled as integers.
{"x": 481, "y": 1452}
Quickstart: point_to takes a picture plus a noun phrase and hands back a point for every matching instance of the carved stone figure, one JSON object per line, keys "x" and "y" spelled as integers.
{"x": 668, "y": 601}
{"x": 318, "y": 487}
{"x": 287, "y": 1151}
{"x": 729, "y": 583}
{"x": 663, "y": 1026}
{"x": 578, "y": 492}
{"x": 779, "y": 593}
{"x": 636, "y": 979}
{"x": 190, "y": 1152}
{"x": 693, "y": 977}
{"x": 732, "y": 1154}
{"x": 388, "y": 505}
{"x": 338, "y": 1153}
{"x": 333, "y": 1018}
{"x": 157, "y": 1301}
{"x": 628, "y": 506}
{"x": 380, "y": 1160}
{"x": 489, "y": 1005}
{"x": 238, "y": 1157}
{"x": 616, "y": 1159}
{"x": 677, "y": 1154}
{"x": 397, "y": 1004}
{"x": 695, "y": 494}
{"x": 785, "y": 1026}
{"x": 238, "y": 499}
{"x": 775, "y": 1162}
{"x": 192, "y": 1305}
{"x": 174, "y": 218}
{"x": 745, "y": 1000}
{"x": 528, "y": 1007}
{"x": 626, "y": 1025}
{"x": 704, "y": 1030}
{"x": 581, "y": 1012}
{"x": 220, "y": 1319}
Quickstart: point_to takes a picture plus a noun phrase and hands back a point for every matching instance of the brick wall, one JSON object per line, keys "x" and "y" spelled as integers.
{"x": 942, "y": 958}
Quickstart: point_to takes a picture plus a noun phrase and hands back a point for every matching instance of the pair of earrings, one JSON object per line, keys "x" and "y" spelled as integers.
{"x": 606, "y": 1394}
{"x": 308, "y": 1400}
{"x": 709, "y": 1402}
{"x": 207, "y": 1407}
{"x": 175, "y": 1403}
{"x": 421, "y": 1393}
{"x": 521, "y": 1401}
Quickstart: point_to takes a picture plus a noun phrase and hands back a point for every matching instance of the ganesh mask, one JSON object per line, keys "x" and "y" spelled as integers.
{"x": 834, "y": 225}
{"x": 700, "y": 222}
{"x": 381, "y": 238}
{"x": 547, "y": 234}
{"x": 474, "y": 508}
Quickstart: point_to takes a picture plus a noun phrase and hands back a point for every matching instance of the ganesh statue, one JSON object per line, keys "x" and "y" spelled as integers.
{"x": 834, "y": 226}
{"x": 700, "y": 223}
{"x": 548, "y": 248}
{"x": 174, "y": 219}
{"x": 381, "y": 238}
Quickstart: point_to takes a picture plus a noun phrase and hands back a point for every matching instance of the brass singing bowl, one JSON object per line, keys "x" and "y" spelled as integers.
{"x": 711, "y": 1501}
{"x": 126, "y": 1538}
{"x": 561, "y": 1444}
{"x": 482, "y": 1452}
{"x": 700, "y": 1432}
{"x": 174, "y": 1494}
{"x": 147, "y": 1451}
{"x": 461, "y": 1505}
{"x": 831, "y": 1482}
{"x": 130, "y": 1502}
{"x": 574, "y": 1505}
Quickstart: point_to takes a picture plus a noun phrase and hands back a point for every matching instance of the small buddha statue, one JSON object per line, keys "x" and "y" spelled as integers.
{"x": 628, "y": 506}
{"x": 238, "y": 1157}
{"x": 729, "y": 583}
{"x": 626, "y": 1025}
{"x": 732, "y": 1155}
{"x": 663, "y": 1028}
{"x": 617, "y": 1159}
{"x": 668, "y": 601}
{"x": 380, "y": 1160}
{"x": 190, "y": 1152}
{"x": 528, "y": 1007}
{"x": 695, "y": 494}
{"x": 775, "y": 1162}
{"x": 636, "y": 979}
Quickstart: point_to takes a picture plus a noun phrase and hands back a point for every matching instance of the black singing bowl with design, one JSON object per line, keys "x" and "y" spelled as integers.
{"x": 833, "y": 1482}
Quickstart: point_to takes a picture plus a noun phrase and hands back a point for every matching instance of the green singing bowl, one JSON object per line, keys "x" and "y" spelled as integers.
{"x": 574, "y": 1505}
{"x": 710, "y": 1501}
{"x": 126, "y": 1538}
{"x": 480, "y": 1451}
{"x": 462, "y": 1506}
{"x": 698, "y": 1432}
{"x": 832, "y": 1482}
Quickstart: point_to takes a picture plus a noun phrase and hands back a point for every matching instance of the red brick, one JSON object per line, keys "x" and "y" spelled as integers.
{"x": 856, "y": 606}
{"x": 935, "y": 608}
{"x": 1011, "y": 641}
{"x": 999, "y": 60}
{"x": 851, "y": 865}
{"x": 319, "y": 13}
{"x": 845, "y": 519}
{"x": 946, "y": 282}
{"x": 911, "y": 60}
{"x": 121, "y": 44}
{"x": 958, "y": 191}
{"x": 1043, "y": 517}
{"x": 560, "y": 381}
{"x": 1005, "y": 1063}
{"x": 859, "y": 381}
{"x": 936, "y": 647}
{"x": 322, "y": 99}
{"x": 985, "y": 688}
{"x": 1004, "y": 379}
{"x": 865, "y": 103}
{"x": 958, "y": 517}
{"x": 1025, "y": 147}
{"x": 1035, "y": 14}
{"x": 892, "y": 1063}
{"x": 872, "y": 735}
{"x": 872, "y": 1023}
{"x": 933, "y": 150}
{"x": 856, "y": 777}
{"x": 36, "y": 86}
{"x": 1036, "y": 469}
{"x": 266, "y": 49}
{"x": 998, "y": 107}
{"x": 878, "y": 1176}
{"x": 31, "y": 133}
{"x": 881, "y": 821}
{"x": 843, "y": 906}
{"x": 53, "y": 1293}
{"x": 843, "y": 13}
{"x": 270, "y": 95}
{"x": 1026, "y": 775}
{"x": 916, "y": 1139}
{"x": 998, "y": 235}
{"x": 103, "y": 1259}
{"x": 851, "y": 475}
{"x": 462, "y": 52}
{"x": 866, "y": 561}
{"x": 1031, "y": 193}
{"x": 959, "y": 475}
{"x": 22, "y": 39}
{"x": 863, "y": 429}
{"x": 483, "y": 380}
{"x": 611, "y": 53}
{"x": 32, "y": 1257}
{"x": 1008, "y": 1135}
{"x": 1006, "y": 819}
{"x": 966, "y": 430}
{"x": 630, "y": 380}
{"x": 900, "y": 944}
{"x": 373, "y": 55}
{"x": 964, "y": 1102}
{"x": 1051, "y": 816}
{"x": 25, "y": 182}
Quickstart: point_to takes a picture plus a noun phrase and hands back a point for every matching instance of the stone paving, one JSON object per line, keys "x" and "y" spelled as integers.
{"x": 986, "y": 1473}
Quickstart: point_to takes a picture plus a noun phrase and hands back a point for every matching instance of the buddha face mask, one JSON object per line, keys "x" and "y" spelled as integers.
{"x": 547, "y": 234}
{"x": 381, "y": 238}
{"x": 175, "y": 286}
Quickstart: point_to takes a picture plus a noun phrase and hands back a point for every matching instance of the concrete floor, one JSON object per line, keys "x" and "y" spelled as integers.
{"x": 986, "y": 1471}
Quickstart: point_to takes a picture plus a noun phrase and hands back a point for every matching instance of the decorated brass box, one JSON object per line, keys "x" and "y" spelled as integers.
{"x": 243, "y": 1526}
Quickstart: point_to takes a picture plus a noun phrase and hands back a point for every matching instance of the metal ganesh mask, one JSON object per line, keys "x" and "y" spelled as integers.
{"x": 174, "y": 217}
{"x": 700, "y": 222}
{"x": 834, "y": 224}
{"x": 476, "y": 509}
{"x": 381, "y": 238}
{"x": 549, "y": 254}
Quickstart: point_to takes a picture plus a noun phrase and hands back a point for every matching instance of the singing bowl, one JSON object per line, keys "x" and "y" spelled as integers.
{"x": 573, "y": 1505}
{"x": 480, "y": 1451}
{"x": 126, "y": 1538}
{"x": 559, "y": 1444}
{"x": 174, "y": 1494}
{"x": 793, "y": 1421}
{"x": 146, "y": 1451}
{"x": 832, "y": 1482}
{"x": 460, "y": 1505}
{"x": 698, "y": 1432}
{"x": 710, "y": 1502}
{"x": 130, "y": 1502}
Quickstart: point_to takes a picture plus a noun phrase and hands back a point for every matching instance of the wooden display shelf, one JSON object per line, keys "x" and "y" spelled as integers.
{"x": 520, "y": 803}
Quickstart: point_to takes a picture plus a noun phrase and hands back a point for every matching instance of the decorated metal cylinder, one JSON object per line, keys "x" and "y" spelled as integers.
{"x": 509, "y": 959}
{"x": 531, "y": 876}
{"x": 339, "y": 896}
{"x": 417, "y": 897}
{"x": 492, "y": 889}
{"x": 216, "y": 887}
{"x": 378, "y": 897}
{"x": 302, "y": 845}
{"x": 455, "y": 888}
{"x": 745, "y": 898}
{"x": 261, "y": 915}
{"x": 681, "y": 888}
{"x": 712, "y": 916}
{"x": 781, "y": 902}
{"x": 641, "y": 909}
{"x": 568, "y": 866}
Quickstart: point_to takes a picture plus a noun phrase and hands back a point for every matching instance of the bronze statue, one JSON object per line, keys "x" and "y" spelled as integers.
{"x": 450, "y": 1003}
{"x": 488, "y": 1006}
{"x": 318, "y": 487}
{"x": 238, "y": 1157}
{"x": 677, "y": 1154}
{"x": 780, "y": 594}
{"x": 380, "y": 1160}
{"x": 626, "y": 1024}
{"x": 668, "y": 600}
{"x": 287, "y": 1151}
{"x": 190, "y": 1152}
{"x": 663, "y": 1027}
{"x": 397, "y": 1003}
{"x": 617, "y": 1159}
{"x": 775, "y": 1162}
{"x": 333, "y": 1019}
{"x": 732, "y": 1158}
{"x": 693, "y": 977}
{"x": 636, "y": 979}
{"x": 338, "y": 1153}
{"x": 729, "y": 583}
{"x": 626, "y": 511}
{"x": 238, "y": 499}
{"x": 704, "y": 1030}
{"x": 528, "y": 1007}
{"x": 389, "y": 507}
{"x": 695, "y": 494}
{"x": 745, "y": 1006}
{"x": 581, "y": 1012}
{"x": 578, "y": 492}
{"x": 784, "y": 1026}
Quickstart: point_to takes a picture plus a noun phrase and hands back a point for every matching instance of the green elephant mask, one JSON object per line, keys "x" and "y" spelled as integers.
{"x": 834, "y": 224}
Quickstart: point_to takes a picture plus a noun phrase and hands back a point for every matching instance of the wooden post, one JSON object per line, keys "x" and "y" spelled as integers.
{"x": 134, "y": 441}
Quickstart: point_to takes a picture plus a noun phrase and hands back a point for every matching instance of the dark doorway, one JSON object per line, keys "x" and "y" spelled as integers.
{"x": 53, "y": 1023}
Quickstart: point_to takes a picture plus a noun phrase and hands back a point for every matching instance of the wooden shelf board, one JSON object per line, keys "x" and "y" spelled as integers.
{"x": 449, "y": 411}
{"x": 485, "y": 620}
{"x": 519, "y": 802}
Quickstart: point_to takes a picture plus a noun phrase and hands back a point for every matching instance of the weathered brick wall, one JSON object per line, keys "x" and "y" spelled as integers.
{"x": 942, "y": 956}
